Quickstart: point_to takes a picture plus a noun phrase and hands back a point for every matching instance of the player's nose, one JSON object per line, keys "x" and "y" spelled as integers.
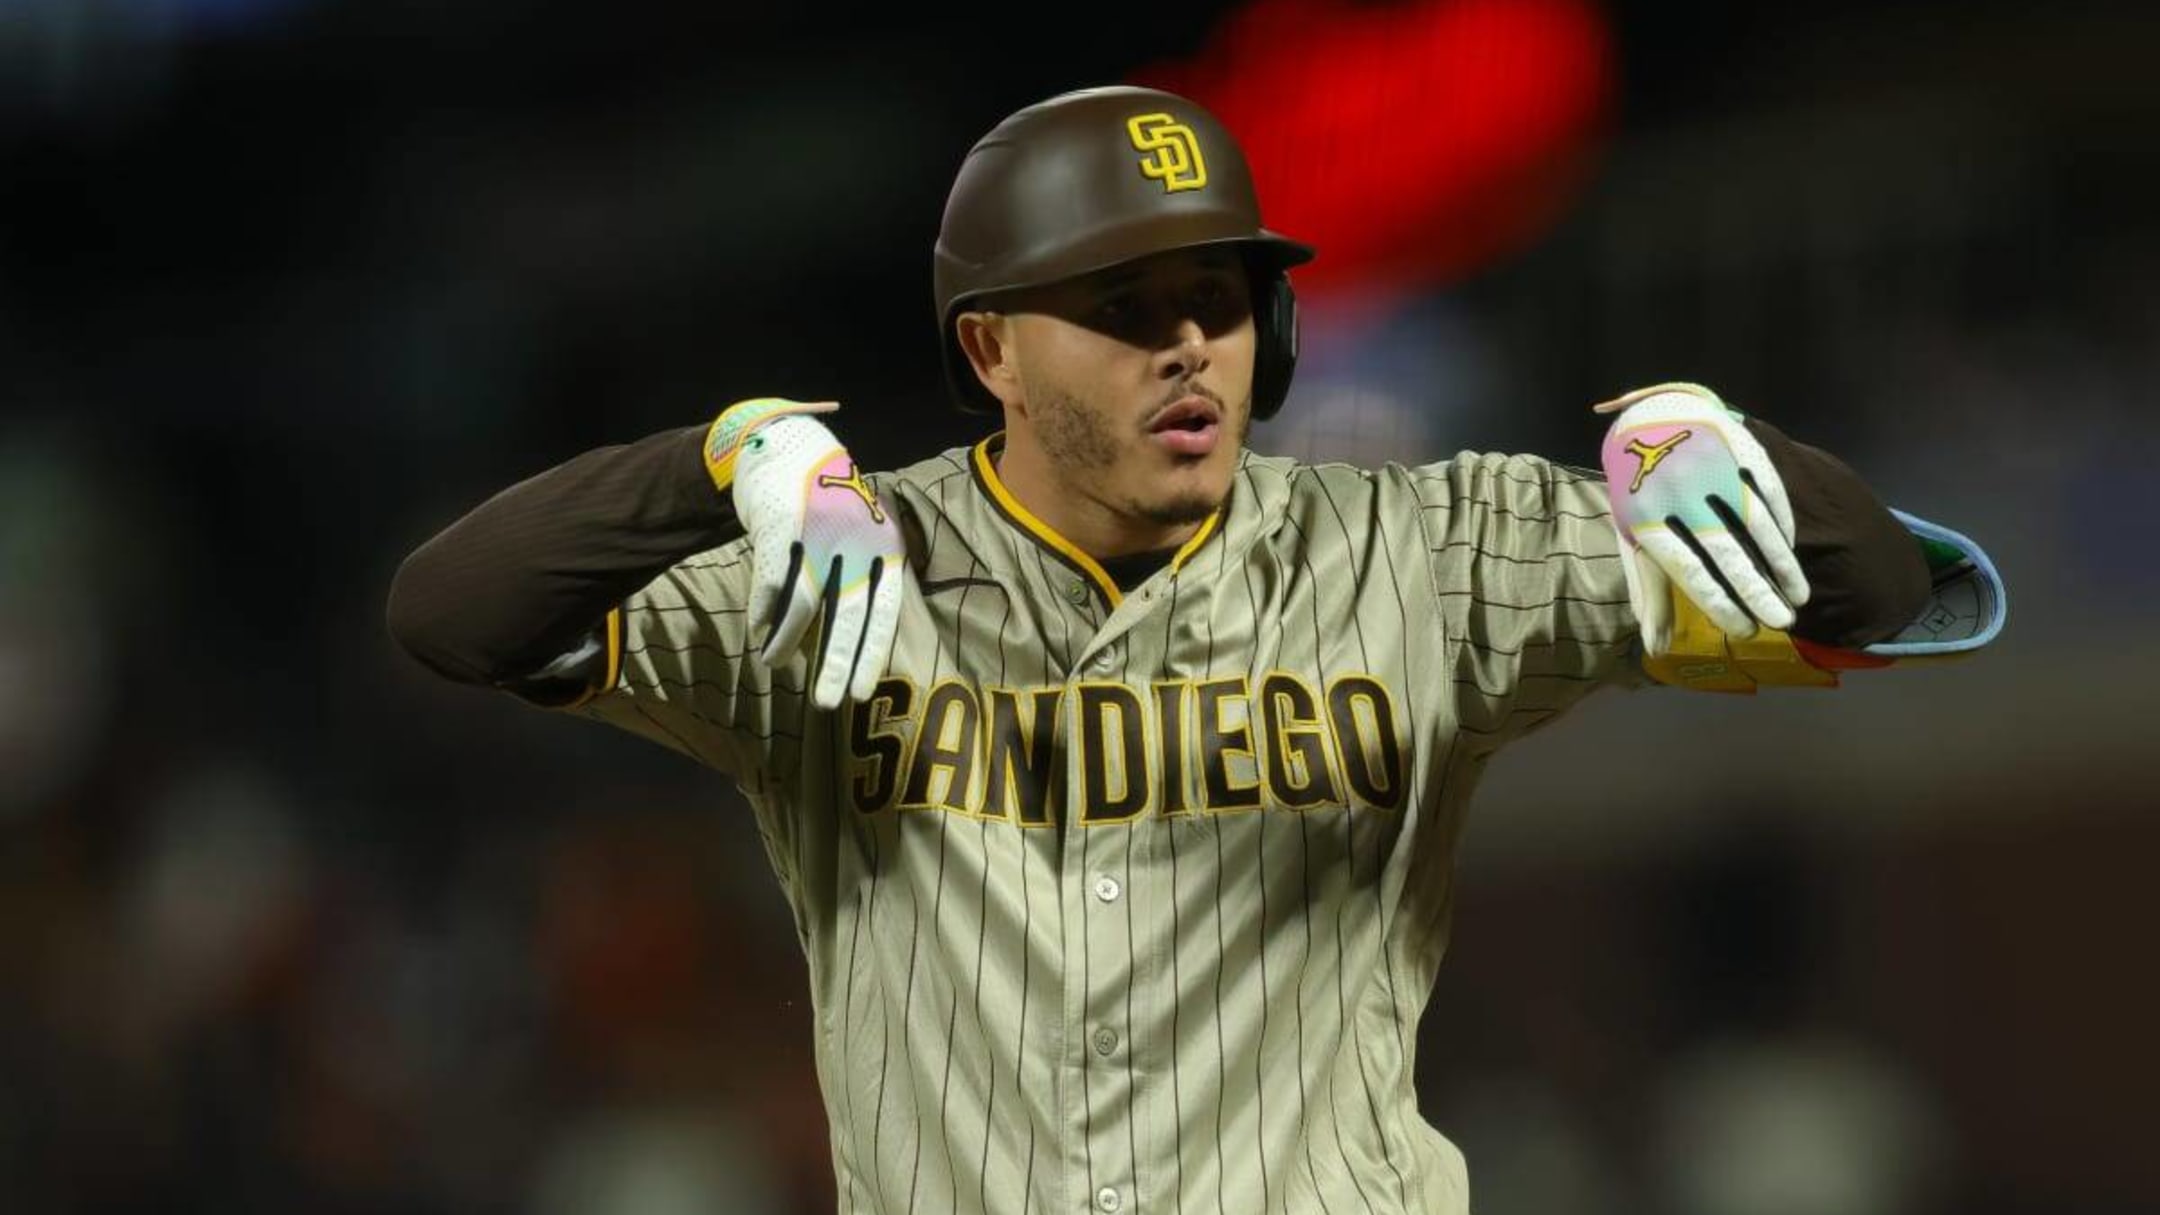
{"x": 1186, "y": 352}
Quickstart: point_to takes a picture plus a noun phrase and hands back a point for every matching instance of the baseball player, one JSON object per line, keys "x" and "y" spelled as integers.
{"x": 1114, "y": 772}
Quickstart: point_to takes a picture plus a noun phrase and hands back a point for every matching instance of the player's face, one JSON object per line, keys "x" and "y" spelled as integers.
{"x": 1136, "y": 382}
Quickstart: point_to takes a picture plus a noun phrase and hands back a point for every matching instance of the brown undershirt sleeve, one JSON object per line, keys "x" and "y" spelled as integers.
{"x": 1866, "y": 576}
{"x": 519, "y": 580}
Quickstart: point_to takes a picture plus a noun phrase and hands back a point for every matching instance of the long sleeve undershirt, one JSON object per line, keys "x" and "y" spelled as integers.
{"x": 524, "y": 576}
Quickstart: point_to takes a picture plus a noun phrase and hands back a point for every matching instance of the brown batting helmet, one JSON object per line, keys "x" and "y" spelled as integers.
{"x": 1088, "y": 179}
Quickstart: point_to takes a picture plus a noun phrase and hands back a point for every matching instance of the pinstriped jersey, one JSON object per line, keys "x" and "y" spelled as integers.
{"x": 1131, "y": 901}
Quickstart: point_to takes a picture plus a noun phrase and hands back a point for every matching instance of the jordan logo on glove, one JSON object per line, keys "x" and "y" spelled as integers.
{"x": 1651, "y": 456}
{"x": 853, "y": 480}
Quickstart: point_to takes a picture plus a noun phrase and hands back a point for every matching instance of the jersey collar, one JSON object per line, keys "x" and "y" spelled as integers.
{"x": 983, "y": 463}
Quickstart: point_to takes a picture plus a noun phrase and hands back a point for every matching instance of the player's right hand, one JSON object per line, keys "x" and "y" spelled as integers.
{"x": 823, "y": 548}
{"x": 1699, "y": 507}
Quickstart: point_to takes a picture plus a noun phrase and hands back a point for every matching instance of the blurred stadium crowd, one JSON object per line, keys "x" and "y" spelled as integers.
{"x": 285, "y": 285}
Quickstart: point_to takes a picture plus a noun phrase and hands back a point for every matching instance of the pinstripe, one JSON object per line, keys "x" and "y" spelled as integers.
{"x": 1357, "y": 624}
{"x": 952, "y": 1021}
{"x": 884, "y": 1008}
{"x": 982, "y": 938}
{"x": 848, "y": 1013}
{"x": 1027, "y": 897}
{"x": 658, "y": 682}
{"x": 937, "y": 905}
{"x": 1057, "y": 1071}
{"x": 1305, "y": 869}
{"x": 1520, "y": 611}
{"x": 907, "y": 1000}
{"x": 1178, "y": 932}
{"x": 1208, "y": 665}
{"x": 1252, "y": 604}
{"x": 741, "y": 558}
{"x": 1381, "y": 902}
{"x": 913, "y": 1171}
{"x": 1132, "y": 948}
{"x": 1222, "y": 1090}
{"x": 1488, "y": 555}
{"x": 1087, "y": 958}
{"x": 667, "y": 733}
{"x": 1505, "y": 513}
{"x": 1132, "y": 1083}
{"x": 697, "y": 607}
{"x": 1304, "y": 960}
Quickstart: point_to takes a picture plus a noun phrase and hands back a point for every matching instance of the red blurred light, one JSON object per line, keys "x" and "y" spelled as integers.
{"x": 1412, "y": 142}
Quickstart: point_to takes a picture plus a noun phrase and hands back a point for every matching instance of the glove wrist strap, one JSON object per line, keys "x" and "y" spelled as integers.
{"x": 725, "y": 438}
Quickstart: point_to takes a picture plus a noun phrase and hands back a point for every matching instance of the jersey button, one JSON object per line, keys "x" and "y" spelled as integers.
{"x": 1107, "y": 1200}
{"x": 1107, "y": 888}
{"x": 1104, "y": 660}
{"x": 1077, "y": 592}
{"x": 1105, "y": 1041}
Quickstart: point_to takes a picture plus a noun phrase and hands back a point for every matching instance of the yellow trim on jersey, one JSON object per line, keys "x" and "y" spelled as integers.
{"x": 1703, "y": 659}
{"x": 1207, "y": 528}
{"x": 611, "y": 672}
{"x": 986, "y": 468}
{"x": 614, "y": 649}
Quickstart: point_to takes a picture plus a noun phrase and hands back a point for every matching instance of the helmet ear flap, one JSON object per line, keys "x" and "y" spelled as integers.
{"x": 1275, "y": 352}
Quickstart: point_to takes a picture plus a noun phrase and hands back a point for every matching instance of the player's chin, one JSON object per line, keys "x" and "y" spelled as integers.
{"x": 1175, "y": 511}
{"x": 1187, "y": 496}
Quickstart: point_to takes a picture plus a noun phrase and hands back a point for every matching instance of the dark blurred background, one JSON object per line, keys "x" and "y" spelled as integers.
{"x": 286, "y": 285}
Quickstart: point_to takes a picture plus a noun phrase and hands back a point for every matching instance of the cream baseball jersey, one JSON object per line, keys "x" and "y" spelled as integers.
{"x": 1131, "y": 901}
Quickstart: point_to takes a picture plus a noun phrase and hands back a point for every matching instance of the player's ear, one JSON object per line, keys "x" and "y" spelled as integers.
{"x": 986, "y": 339}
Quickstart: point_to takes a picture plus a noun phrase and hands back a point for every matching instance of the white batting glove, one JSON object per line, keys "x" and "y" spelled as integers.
{"x": 1699, "y": 506}
{"x": 823, "y": 548}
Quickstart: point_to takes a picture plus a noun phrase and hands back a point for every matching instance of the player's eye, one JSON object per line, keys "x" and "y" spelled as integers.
{"x": 1217, "y": 304}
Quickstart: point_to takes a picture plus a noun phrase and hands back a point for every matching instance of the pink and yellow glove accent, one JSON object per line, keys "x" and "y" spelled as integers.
{"x": 1700, "y": 511}
{"x": 823, "y": 547}
{"x": 724, "y": 439}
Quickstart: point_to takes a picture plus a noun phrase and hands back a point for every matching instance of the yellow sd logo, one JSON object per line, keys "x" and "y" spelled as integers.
{"x": 1173, "y": 154}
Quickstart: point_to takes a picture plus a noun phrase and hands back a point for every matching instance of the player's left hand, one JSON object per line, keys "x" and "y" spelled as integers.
{"x": 1699, "y": 506}
{"x": 823, "y": 548}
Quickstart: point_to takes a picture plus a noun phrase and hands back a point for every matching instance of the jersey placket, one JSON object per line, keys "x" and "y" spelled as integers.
{"x": 1109, "y": 893}
{"x": 1103, "y": 890}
